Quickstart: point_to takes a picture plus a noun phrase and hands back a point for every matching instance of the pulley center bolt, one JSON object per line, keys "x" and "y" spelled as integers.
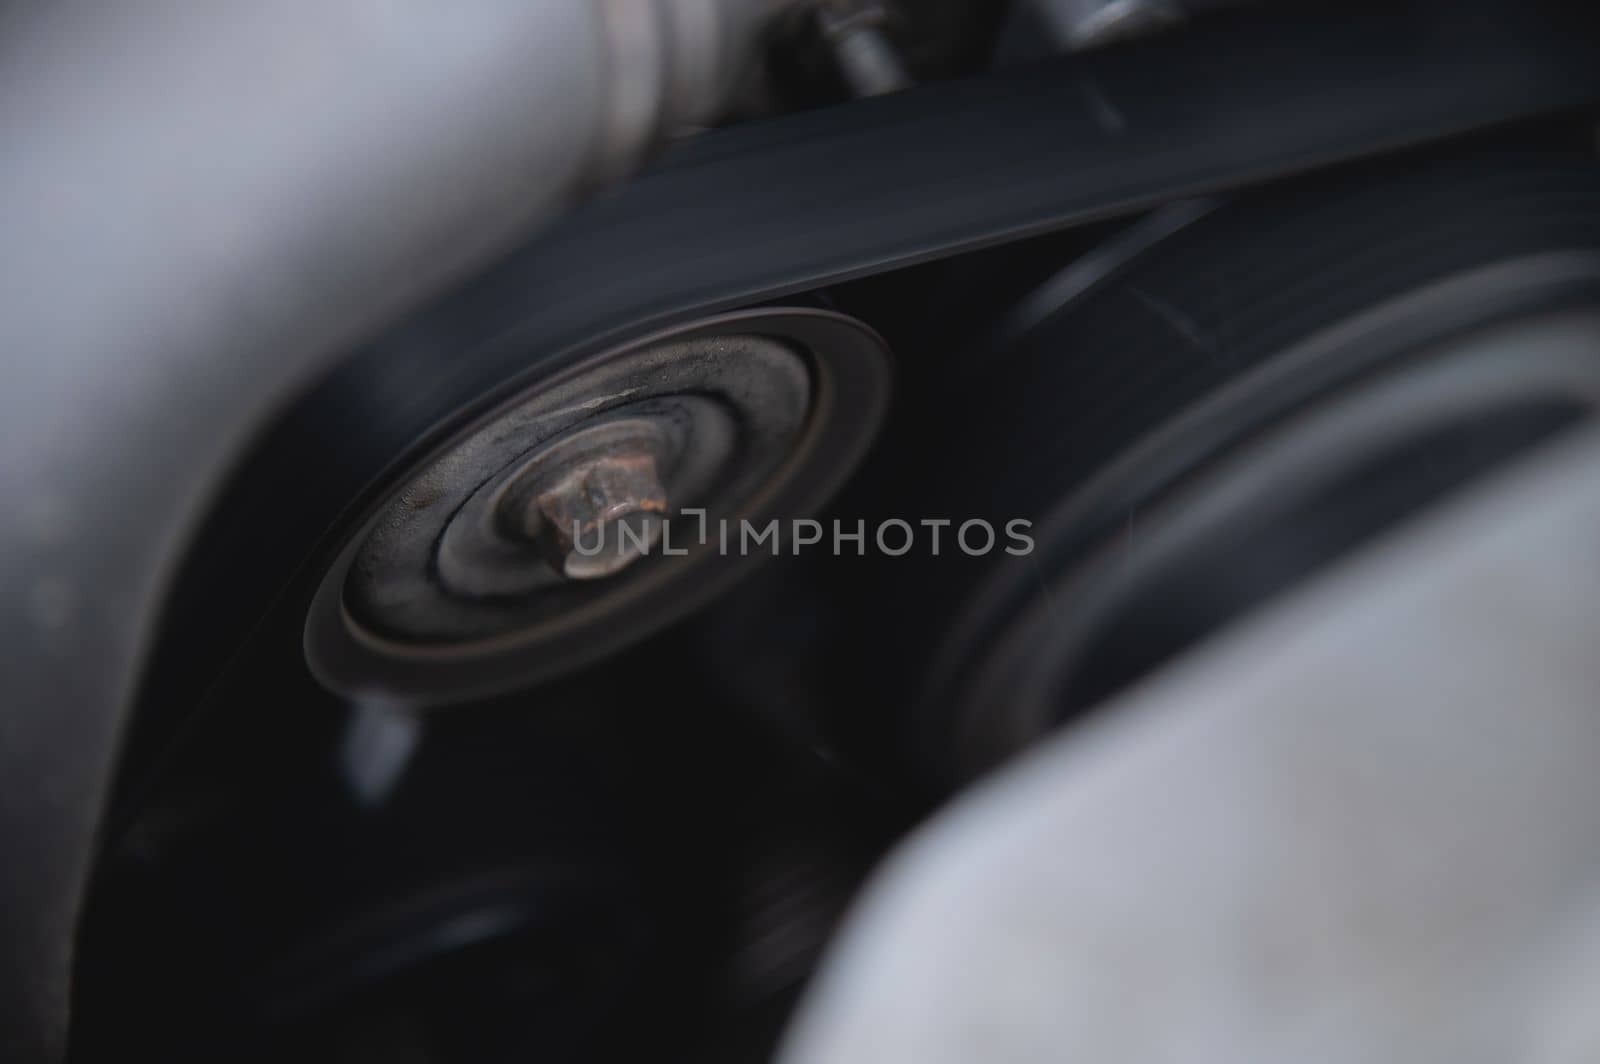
{"x": 601, "y": 514}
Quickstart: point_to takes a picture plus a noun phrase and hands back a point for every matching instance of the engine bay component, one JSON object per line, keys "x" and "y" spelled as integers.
{"x": 865, "y": 57}
{"x": 1082, "y": 24}
{"x": 1265, "y": 390}
{"x": 1365, "y": 826}
{"x": 260, "y": 440}
{"x": 588, "y": 511}
{"x": 1278, "y": 511}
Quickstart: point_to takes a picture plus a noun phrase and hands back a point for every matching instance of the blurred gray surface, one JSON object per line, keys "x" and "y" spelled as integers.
{"x": 1363, "y": 827}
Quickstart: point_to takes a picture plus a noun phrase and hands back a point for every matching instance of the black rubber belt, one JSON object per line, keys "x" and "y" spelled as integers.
{"x": 770, "y": 209}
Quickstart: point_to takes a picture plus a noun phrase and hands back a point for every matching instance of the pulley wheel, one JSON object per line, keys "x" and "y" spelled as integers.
{"x": 588, "y": 511}
{"x": 1268, "y": 389}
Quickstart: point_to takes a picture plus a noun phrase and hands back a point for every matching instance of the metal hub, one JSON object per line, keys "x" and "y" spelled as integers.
{"x": 584, "y": 507}
{"x": 603, "y": 512}
{"x": 554, "y": 530}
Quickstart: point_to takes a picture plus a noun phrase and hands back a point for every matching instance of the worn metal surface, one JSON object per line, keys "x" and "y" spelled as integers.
{"x": 1364, "y": 827}
{"x": 587, "y": 516}
{"x": 498, "y": 542}
{"x": 760, "y": 415}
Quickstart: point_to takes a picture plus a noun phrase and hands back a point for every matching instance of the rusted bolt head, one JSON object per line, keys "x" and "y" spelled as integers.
{"x": 602, "y": 514}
